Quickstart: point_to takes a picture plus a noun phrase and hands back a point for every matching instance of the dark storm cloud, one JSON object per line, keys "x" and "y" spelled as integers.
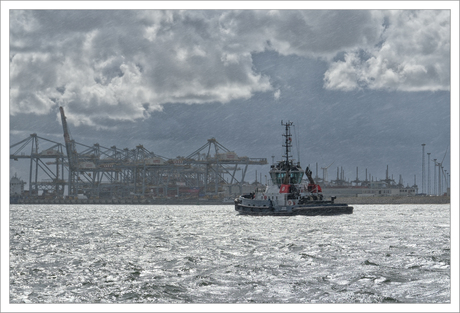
{"x": 125, "y": 65}
{"x": 317, "y": 33}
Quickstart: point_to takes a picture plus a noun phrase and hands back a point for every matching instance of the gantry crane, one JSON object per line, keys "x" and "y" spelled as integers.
{"x": 222, "y": 162}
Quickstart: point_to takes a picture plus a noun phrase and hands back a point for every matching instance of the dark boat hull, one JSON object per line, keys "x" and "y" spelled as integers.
{"x": 309, "y": 210}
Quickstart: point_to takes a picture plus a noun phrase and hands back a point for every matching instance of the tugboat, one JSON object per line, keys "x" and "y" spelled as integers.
{"x": 287, "y": 195}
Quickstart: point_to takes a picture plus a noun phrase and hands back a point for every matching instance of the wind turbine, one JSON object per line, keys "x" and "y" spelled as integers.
{"x": 325, "y": 172}
{"x": 441, "y": 171}
{"x": 437, "y": 184}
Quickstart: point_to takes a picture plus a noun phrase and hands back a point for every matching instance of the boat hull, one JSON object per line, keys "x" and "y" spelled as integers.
{"x": 308, "y": 209}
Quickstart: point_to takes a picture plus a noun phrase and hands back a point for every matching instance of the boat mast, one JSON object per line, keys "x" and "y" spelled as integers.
{"x": 287, "y": 140}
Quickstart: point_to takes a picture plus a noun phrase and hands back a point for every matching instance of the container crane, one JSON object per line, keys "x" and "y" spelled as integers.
{"x": 71, "y": 152}
{"x": 69, "y": 143}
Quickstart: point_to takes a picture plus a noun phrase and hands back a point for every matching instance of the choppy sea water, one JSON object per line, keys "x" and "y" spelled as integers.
{"x": 210, "y": 254}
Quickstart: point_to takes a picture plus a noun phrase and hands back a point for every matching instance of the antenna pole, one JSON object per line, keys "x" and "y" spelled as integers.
{"x": 287, "y": 139}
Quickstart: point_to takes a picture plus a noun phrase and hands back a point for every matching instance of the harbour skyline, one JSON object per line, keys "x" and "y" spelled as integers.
{"x": 170, "y": 80}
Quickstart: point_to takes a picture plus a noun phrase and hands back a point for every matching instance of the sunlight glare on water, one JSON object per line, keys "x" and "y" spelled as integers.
{"x": 210, "y": 254}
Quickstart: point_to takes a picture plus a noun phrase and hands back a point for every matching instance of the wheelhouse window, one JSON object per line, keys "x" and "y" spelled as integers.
{"x": 278, "y": 177}
{"x": 296, "y": 177}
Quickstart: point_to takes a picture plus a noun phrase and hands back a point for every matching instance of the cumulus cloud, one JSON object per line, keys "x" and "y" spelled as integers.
{"x": 125, "y": 65}
{"x": 414, "y": 55}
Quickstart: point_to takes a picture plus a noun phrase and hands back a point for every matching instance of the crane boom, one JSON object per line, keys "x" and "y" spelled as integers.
{"x": 67, "y": 140}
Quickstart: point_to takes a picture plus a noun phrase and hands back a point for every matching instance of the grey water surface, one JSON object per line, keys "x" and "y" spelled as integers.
{"x": 210, "y": 254}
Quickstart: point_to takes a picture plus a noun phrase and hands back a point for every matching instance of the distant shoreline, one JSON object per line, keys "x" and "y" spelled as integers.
{"x": 394, "y": 200}
{"x": 348, "y": 200}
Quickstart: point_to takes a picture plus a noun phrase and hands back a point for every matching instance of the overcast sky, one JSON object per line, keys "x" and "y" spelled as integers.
{"x": 364, "y": 87}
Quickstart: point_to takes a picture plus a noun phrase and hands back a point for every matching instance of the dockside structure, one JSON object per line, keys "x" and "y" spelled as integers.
{"x": 98, "y": 172}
